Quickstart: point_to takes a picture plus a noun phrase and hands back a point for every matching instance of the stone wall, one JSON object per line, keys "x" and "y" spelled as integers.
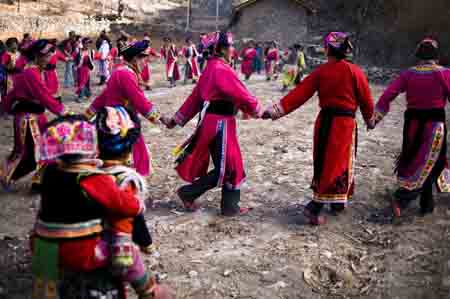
{"x": 280, "y": 20}
{"x": 15, "y": 25}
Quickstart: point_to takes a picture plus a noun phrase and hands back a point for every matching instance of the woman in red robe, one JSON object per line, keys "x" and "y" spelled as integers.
{"x": 272, "y": 58}
{"x": 147, "y": 72}
{"x": 218, "y": 96}
{"x": 27, "y": 101}
{"x": 85, "y": 64}
{"x": 342, "y": 88}
{"x": 51, "y": 75}
{"x": 248, "y": 56}
{"x": 170, "y": 53}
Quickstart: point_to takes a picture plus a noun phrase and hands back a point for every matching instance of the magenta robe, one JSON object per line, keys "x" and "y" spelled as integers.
{"x": 248, "y": 55}
{"x": 427, "y": 87}
{"x": 28, "y": 87}
{"x": 147, "y": 72}
{"x": 218, "y": 82}
{"x": 123, "y": 89}
{"x": 51, "y": 75}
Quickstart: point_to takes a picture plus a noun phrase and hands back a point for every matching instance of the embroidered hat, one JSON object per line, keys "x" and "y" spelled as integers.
{"x": 224, "y": 39}
{"x": 40, "y": 47}
{"x": 67, "y": 136}
{"x": 338, "y": 40}
{"x": 129, "y": 51}
{"x": 118, "y": 130}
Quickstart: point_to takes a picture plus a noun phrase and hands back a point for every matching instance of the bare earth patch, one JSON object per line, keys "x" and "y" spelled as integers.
{"x": 269, "y": 253}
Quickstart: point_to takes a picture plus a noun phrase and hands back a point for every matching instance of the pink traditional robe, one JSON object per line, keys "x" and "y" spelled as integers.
{"x": 51, "y": 75}
{"x": 248, "y": 55}
{"x": 218, "y": 82}
{"x": 27, "y": 101}
{"x": 427, "y": 89}
{"x": 123, "y": 89}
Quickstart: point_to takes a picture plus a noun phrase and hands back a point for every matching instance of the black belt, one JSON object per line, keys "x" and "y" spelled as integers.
{"x": 27, "y": 107}
{"x": 425, "y": 115}
{"x": 327, "y": 115}
{"x": 50, "y": 67}
{"x": 225, "y": 108}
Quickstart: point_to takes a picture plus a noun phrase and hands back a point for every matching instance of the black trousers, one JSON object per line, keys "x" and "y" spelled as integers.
{"x": 230, "y": 198}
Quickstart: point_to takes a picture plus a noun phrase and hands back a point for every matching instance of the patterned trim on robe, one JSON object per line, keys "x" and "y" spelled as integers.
{"x": 342, "y": 198}
{"x": 31, "y": 121}
{"x": 68, "y": 231}
{"x": 443, "y": 181}
{"x": 416, "y": 182}
{"x": 222, "y": 127}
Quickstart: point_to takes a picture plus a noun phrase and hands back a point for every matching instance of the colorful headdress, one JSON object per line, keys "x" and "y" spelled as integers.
{"x": 224, "y": 39}
{"x": 39, "y": 47}
{"x": 129, "y": 51}
{"x": 118, "y": 130}
{"x": 338, "y": 41}
{"x": 68, "y": 136}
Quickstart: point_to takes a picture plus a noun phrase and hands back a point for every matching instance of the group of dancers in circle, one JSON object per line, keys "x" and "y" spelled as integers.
{"x": 89, "y": 168}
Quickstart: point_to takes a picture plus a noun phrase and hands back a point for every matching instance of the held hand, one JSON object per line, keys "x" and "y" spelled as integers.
{"x": 168, "y": 122}
{"x": 371, "y": 125}
{"x": 267, "y": 114}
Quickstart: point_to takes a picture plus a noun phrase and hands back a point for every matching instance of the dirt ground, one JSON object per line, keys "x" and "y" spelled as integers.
{"x": 269, "y": 253}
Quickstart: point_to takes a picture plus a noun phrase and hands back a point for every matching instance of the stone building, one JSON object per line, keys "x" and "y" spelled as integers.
{"x": 285, "y": 21}
{"x": 203, "y": 14}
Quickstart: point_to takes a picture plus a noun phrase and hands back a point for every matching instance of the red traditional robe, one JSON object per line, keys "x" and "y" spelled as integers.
{"x": 342, "y": 88}
{"x": 51, "y": 75}
{"x": 192, "y": 69}
{"x": 248, "y": 55}
{"x": 170, "y": 54}
{"x": 272, "y": 58}
{"x": 147, "y": 72}
{"x": 218, "y": 82}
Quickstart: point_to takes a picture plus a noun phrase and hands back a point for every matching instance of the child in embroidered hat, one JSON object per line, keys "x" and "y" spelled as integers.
{"x": 118, "y": 130}
{"x": 72, "y": 229}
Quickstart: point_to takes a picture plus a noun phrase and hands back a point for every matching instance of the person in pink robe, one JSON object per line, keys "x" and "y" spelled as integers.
{"x": 423, "y": 159}
{"x": 84, "y": 64}
{"x": 147, "y": 72}
{"x": 27, "y": 101}
{"x": 51, "y": 75}
{"x": 123, "y": 89}
{"x": 248, "y": 56}
{"x": 272, "y": 58}
{"x": 191, "y": 68}
{"x": 170, "y": 54}
{"x": 218, "y": 96}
